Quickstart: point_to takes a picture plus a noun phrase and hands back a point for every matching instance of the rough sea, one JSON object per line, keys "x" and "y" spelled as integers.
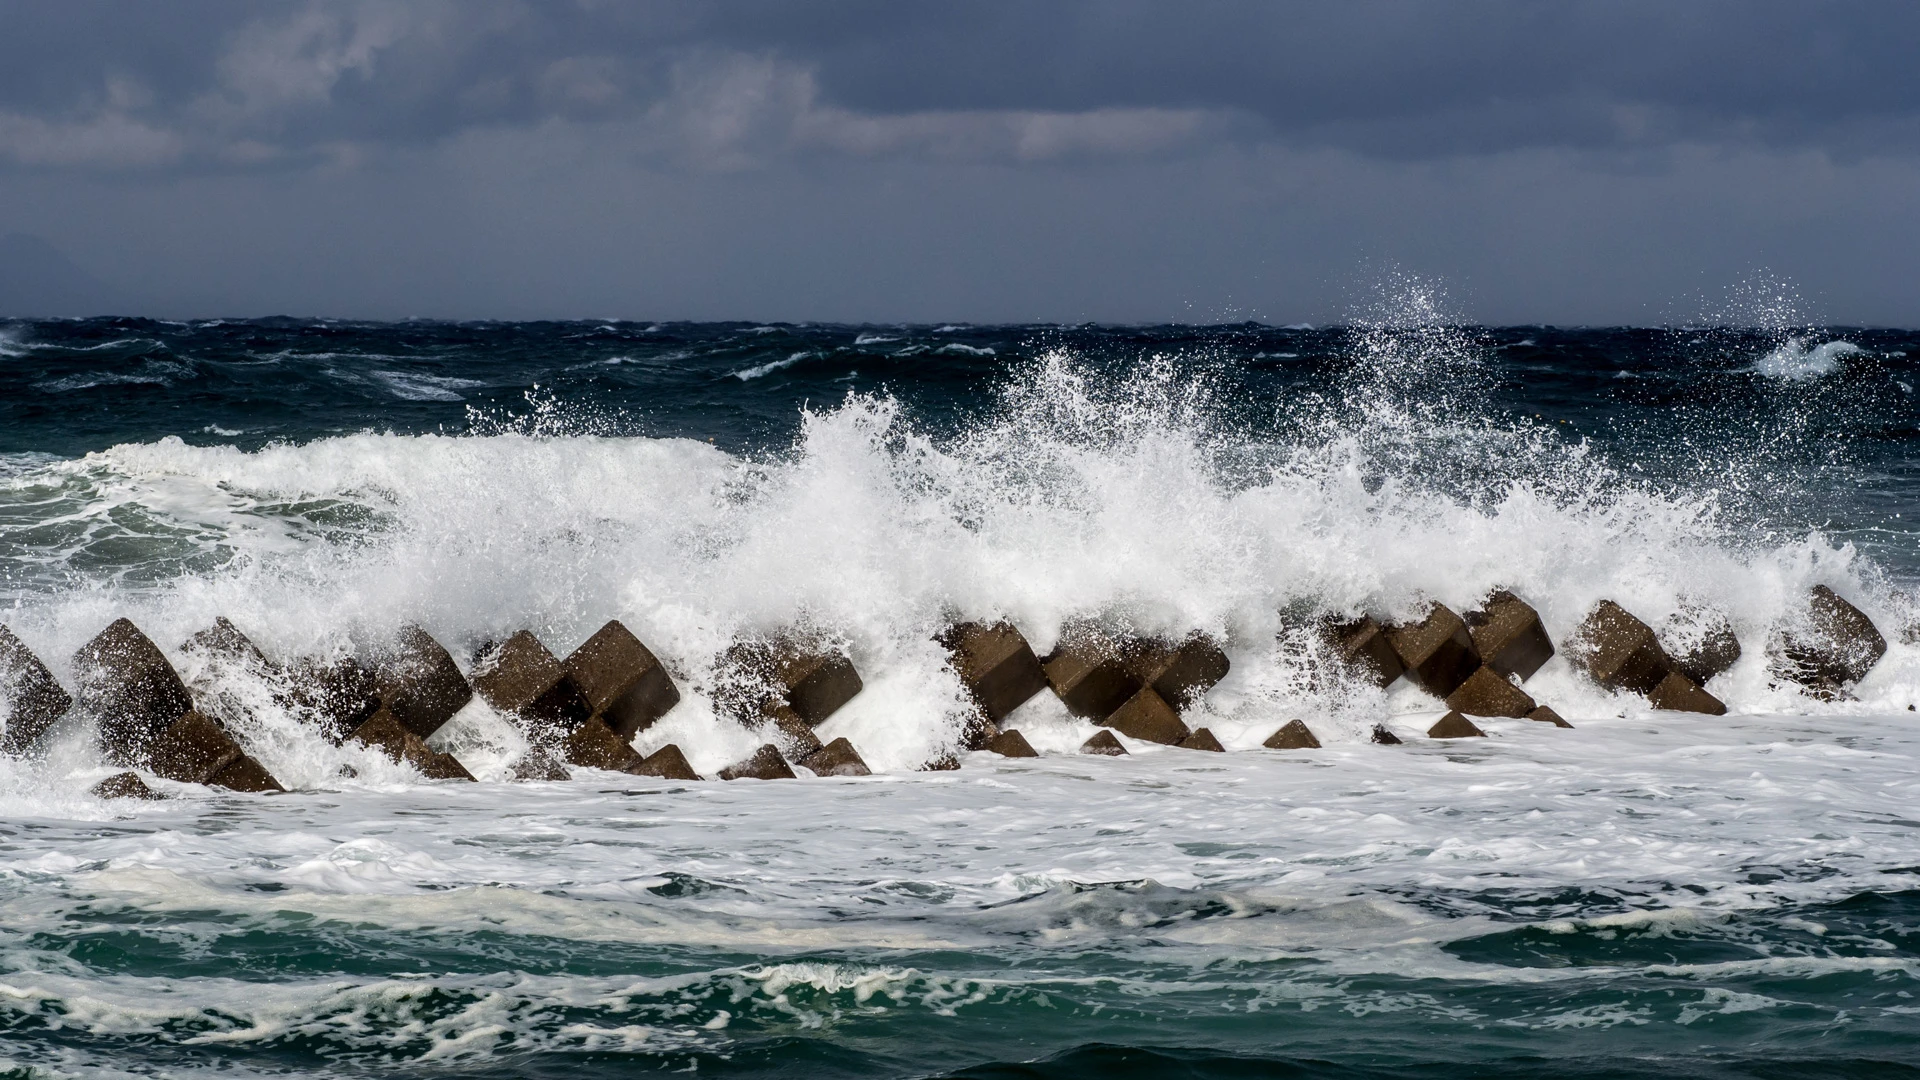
{"x": 1646, "y": 894}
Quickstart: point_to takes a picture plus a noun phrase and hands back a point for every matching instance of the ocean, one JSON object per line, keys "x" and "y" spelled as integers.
{"x": 1644, "y": 894}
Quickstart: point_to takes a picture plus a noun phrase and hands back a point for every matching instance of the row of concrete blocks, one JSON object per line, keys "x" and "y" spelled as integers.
{"x": 586, "y": 709}
{"x": 1472, "y": 662}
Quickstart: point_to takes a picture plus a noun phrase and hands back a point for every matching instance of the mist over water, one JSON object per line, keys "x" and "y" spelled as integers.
{"x": 1645, "y": 893}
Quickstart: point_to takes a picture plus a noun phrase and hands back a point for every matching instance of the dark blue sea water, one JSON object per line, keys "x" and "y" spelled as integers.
{"x": 1641, "y": 895}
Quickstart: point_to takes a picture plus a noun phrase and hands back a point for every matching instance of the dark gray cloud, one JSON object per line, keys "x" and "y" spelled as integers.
{"x": 867, "y": 159}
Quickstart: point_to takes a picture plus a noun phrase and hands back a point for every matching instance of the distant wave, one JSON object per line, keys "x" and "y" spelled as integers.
{"x": 1796, "y": 361}
{"x": 768, "y": 368}
{"x": 957, "y": 349}
{"x": 415, "y": 386}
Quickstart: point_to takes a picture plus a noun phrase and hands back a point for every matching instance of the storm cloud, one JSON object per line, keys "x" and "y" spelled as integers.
{"x": 1578, "y": 162}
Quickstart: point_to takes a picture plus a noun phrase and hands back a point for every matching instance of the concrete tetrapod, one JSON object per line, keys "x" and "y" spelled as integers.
{"x": 1438, "y": 651}
{"x": 624, "y": 683}
{"x": 1104, "y": 744}
{"x": 1179, "y": 671}
{"x": 1202, "y": 739}
{"x": 196, "y": 750}
{"x": 522, "y": 679}
{"x": 1832, "y": 646}
{"x": 1362, "y": 645}
{"x": 1507, "y": 633}
{"x": 31, "y": 700}
{"x": 837, "y": 758}
{"x": 1088, "y": 670}
{"x": 128, "y": 685}
{"x": 764, "y": 764}
{"x": 1147, "y": 716}
{"x": 418, "y": 682}
{"x": 1293, "y": 735}
{"x": 996, "y": 665}
{"x": 383, "y": 732}
{"x": 1454, "y": 726}
{"x": 1011, "y": 744}
{"x": 1488, "y": 693}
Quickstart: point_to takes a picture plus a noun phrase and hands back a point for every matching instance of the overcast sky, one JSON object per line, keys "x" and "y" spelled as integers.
{"x": 1613, "y": 161}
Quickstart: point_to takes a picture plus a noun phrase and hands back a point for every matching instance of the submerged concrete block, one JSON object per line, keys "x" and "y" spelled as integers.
{"x": 1011, "y": 744}
{"x": 1438, "y": 651}
{"x": 1714, "y": 650}
{"x": 1147, "y": 716}
{"x": 1089, "y": 673}
{"x": 812, "y": 681}
{"x": 131, "y": 688}
{"x": 336, "y": 696}
{"x": 522, "y": 679}
{"x": 667, "y": 763}
{"x": 1202, "y": 739}
{"x": 418, "y": 682}
{"x": 1677, "y": 693}
{"x": 384, "y": 732}
{"x": 1361, "y": 644}
{"x": 594, "y": 745}
{"x": 1548, "y": 716}
{"x": 537, "y": 764}
{"x": 1384, "y": 736}
{"x": 1619, "y": 651}
{"x": 31, "y": 700}
{"x": 1179, "y": 671}
{"x": 623, "y": 682}
{"x": 1508, "y": 635}
{"x": 797, "y": 739}
{"x": 224, "y": 642}
{"x": 1105, "y": 744}
{"x": 837, "y": 758}
{"x": 996, "y": 665}
{"x": 124, "y": 785}
{"x": 1293, "y": 735}
{"x": 1833, "y": 646}
{"x": 764, "y": 764}
{"x": 1488, "y": 693}
{"x": 196, "y": 750}
{"x": 1454, "y": 726}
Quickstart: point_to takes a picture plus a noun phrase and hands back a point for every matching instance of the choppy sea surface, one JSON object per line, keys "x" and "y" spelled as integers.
{"x": 1646, "y": 894}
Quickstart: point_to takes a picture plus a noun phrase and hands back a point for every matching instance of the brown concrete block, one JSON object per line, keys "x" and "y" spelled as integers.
{"x": 1508, "y": 635}
{"x": 996, "y": 665}
{"x": 128, "y": 685}
{"x": 797, "y": 739}
{"x": 1383, "y": 736}
{"x": 1834, "y": 646}
{"x": 837, "y": 758}
{"x": 385, "y": 733}
{"x": 1454, "y": 726}
{"x": 223, "y": 641}
{"x": 667, "y": 763}
{"x": 1147, "y": 716}
{"x": 31, "y": 700}
{"x": 1179, "y": 671}
{"x": 1105, "y": 744}
{"x": 1361, "y": 644}
{"x": 245, "y": 774}
{"x": 1677, "y": 693}
{"x": 1293, "y": 735}
{"x": 1438, "y": 651}
{"x": 1488, "y": 693}
{"x": 1202, "y": 739}
{"x": 520, "y": 678}
{"x": 1089, "y": 672}
{"x": 594, "y": 745}
{"x": 1548, "y": 716}
{"x": 192, "y": 750}
{"x": 1714, "y": 651}
{"x": 765, "y": 764}
{"x": 943, "y": 763}
{"x": 124, "y": 785}
{"x": 624, "y": 683}
{"x": 1619, "y": 651}
{"x": 419, "y": 683}
{"x": 1011, "y": 744}
{"x": 336, "y": 697}
{"x": 537, "y": 764}
{"x": 812, "y": 681}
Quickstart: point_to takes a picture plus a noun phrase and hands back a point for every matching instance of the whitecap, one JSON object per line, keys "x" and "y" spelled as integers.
{"x": 873, "y": 339}
{"x": 768, "y": 368}
{"x": 419, "y": 386}
{"x": 957, "y": 349}
{"x": 1797, "y": 361}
